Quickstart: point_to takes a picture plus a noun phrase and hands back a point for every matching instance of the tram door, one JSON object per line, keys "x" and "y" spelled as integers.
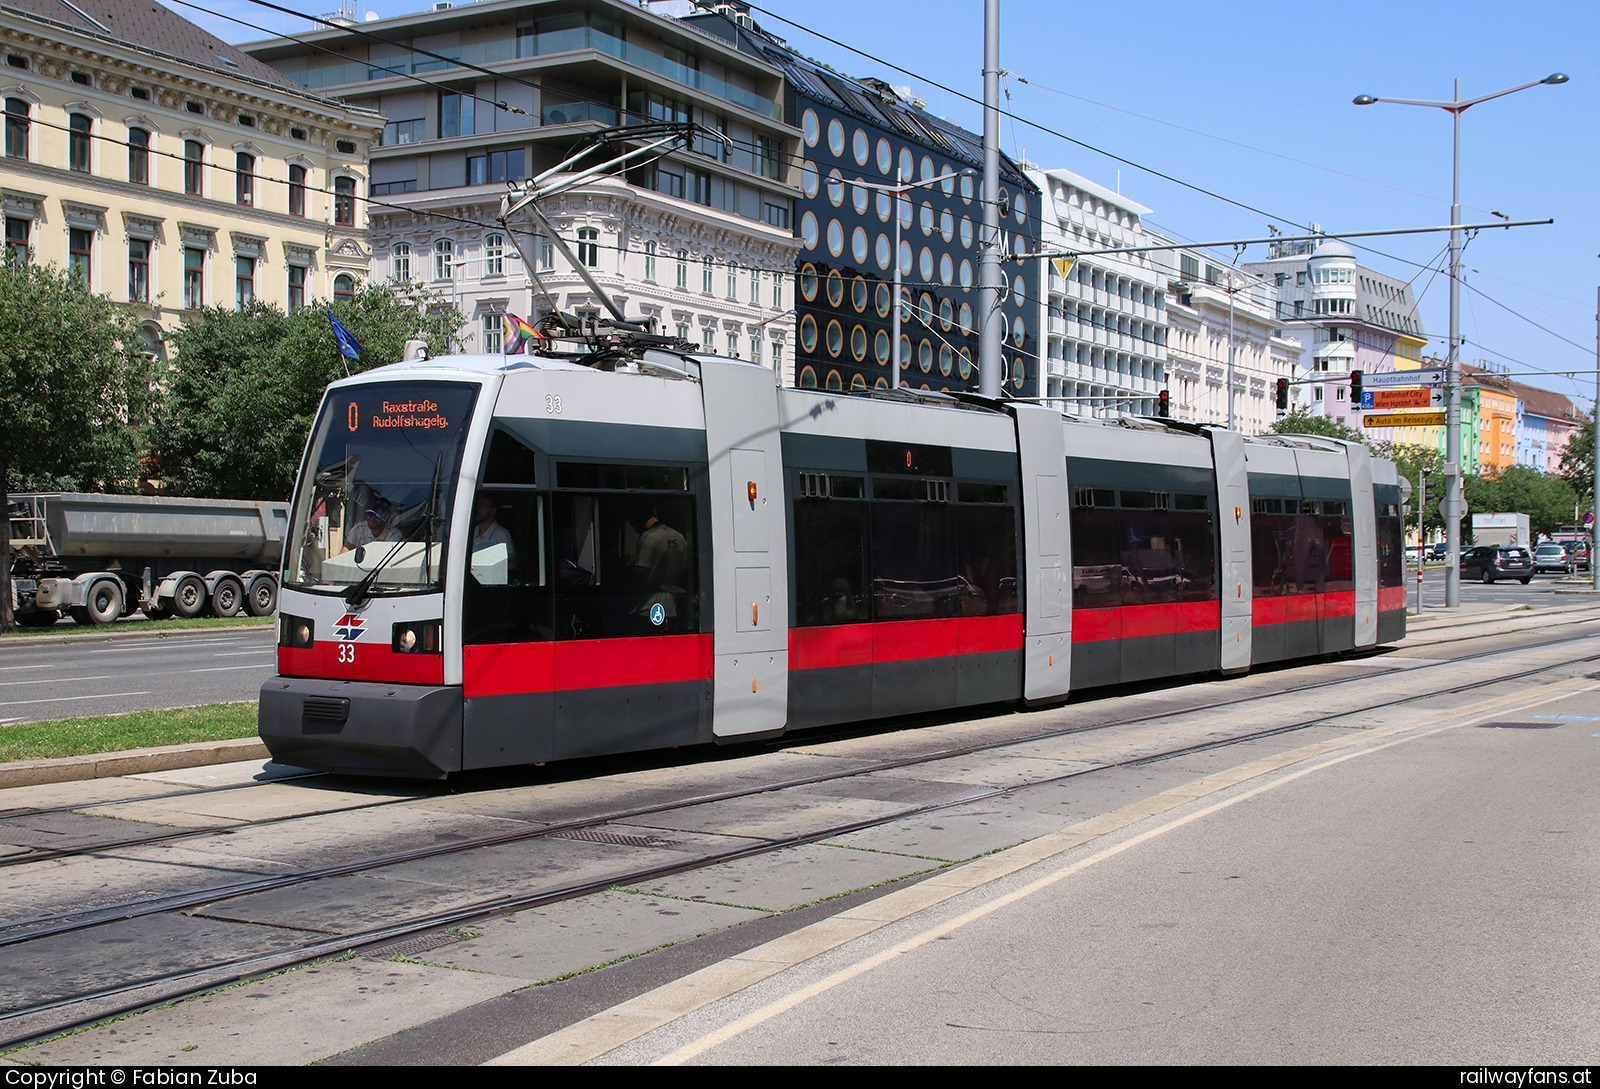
{"x": 1233, "y": 518}
{"x": 1047, "y": 656}
{"x": 750, "y": 562}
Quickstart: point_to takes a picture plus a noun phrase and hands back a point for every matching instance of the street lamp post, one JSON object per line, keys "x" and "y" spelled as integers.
{"x": 899, "y": 189}
{"x": 1452, "y": 457}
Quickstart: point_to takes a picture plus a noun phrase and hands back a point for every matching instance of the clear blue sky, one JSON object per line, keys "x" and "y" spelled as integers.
{"x": 1252, "y": 100}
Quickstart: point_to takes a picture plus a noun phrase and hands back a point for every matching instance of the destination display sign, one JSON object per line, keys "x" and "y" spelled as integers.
{"x": 1404, "y": 419}
{"x": 1396, "y": 379}
{"x": 1402, "y": 398}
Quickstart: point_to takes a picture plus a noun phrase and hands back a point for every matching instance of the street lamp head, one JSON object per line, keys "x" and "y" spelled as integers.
{"x": 1364, "y": 100}
{"x": 1556, "y": 77}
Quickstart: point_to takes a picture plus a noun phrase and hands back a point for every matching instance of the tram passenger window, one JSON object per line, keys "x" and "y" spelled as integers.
{"x": 986, "y": 544}
{"x": 830, "y": 564}
{"x": 914, "y": 569}
{"x": 507, "y": 597}
{"x": 1194, "y": 545}
{"x": 626, "y": 565}
{"x": 509, "y": 462}
{"x": 1149, "y": 559}
{"x": 1097, "y": 571}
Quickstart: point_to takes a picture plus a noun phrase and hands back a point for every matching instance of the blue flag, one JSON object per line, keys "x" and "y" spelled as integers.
{"x": 349, "y": 346}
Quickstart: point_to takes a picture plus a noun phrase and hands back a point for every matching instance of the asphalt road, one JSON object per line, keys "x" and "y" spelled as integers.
{"x": 65, "y": 680}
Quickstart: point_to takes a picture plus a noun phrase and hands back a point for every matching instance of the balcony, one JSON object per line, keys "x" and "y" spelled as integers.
{"x": 538, "y": 45}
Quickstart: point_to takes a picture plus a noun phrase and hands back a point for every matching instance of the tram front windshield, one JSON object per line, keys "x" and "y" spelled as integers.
{"x": 374, "y": 505}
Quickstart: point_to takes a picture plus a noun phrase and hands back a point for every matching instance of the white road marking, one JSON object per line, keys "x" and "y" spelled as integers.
{"x": 59, "y": 680}
{"x": 66, "y": 699}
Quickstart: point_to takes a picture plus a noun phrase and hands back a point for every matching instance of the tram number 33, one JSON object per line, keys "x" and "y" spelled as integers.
{"x": 552, "y": 405}
{"x": 347, "y": 652}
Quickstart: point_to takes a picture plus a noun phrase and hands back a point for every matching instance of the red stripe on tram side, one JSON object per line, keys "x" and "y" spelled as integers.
{"x": 1338, "y": 603}
{"x": 500, "y": 669}
{"x": 1295, "y": 608}
{"x": 1391, "y": 598}
{"x": 902, "y": 640}
{"x": 1139, "y": 621}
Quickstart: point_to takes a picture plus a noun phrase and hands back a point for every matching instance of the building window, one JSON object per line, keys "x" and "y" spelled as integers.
{"x": 455, "y": 114}
{"x": 412, "y": 131}
{"x": 733, "y": 281}
{"x": 78, "y": 151}
{"x": 138, "y": 270}
{"x": 400, "y": 267}
{"x": 777, "y": 291}
{"x": 444, "y": 255}
{"x": 755, "y": 287}
{"x": 80, "y": 252}
{"x": 492, "y": 341}
{"x": 705, "y": 275}
{"x": 194, "y": 271}
{"x": 683, "y": 270}
{"x": 589, "y": 247}
{"x": 17, "y": 230}
{"x": 244, "y": 282}
{"x": 344, "y": 287}
{"x": 297, "y": 190}
{"x": 547, "y": 253}
{"x": 733, "y": 345}
{"x": 194, "y": 179}
{"x": 244, "y": 178}
{"x": 650, "y": 262}
{"x": 769, "y": 157}
{"x": 755, "y": 348}
{"x": 297, "y": 287}
{"x": 683, "y": 330}
{"x": 139, "y": 156}
{"x": 344, "y": 202}
{"x": 494, "y": 249}
{"x": 497, "y": 166}
{"x": 17, "y": 128}
{"x": 777, "y": 215}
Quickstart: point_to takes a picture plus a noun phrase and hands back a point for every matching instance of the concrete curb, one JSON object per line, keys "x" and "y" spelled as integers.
{"x": 104, "y": 765}
{"x": 112, "y": 633}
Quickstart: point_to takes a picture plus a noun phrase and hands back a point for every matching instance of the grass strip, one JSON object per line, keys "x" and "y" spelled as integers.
{"x": 67, "y": 627}
{"x": 134, "y": 730}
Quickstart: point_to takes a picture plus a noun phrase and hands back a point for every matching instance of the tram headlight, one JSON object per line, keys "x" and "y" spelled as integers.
{"x": 295, "y": 631}
{"x": 417, "y": 637}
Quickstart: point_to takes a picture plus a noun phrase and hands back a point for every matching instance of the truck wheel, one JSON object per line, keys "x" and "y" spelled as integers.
{"x": 105, "y": 602}
{"x": 189, "y": 597}
{"x": 262, "y": 599}
{"x": 228, "y": 598}
{"x": 39, "y": 618}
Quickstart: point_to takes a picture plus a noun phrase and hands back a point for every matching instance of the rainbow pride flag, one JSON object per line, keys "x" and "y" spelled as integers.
{"x": 518, "y": 335}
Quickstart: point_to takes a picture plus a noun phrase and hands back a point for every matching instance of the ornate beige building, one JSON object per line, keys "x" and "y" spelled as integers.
{"x": 172, "y": 171}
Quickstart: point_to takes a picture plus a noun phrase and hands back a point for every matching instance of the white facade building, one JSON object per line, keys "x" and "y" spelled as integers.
{"x": 1105, "y": 323}
{"x": 702, "y": 240}
{"x": 1211, "y": 305}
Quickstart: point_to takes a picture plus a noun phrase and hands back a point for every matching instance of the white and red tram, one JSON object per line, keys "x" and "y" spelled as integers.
{"x": 494, "y": 563}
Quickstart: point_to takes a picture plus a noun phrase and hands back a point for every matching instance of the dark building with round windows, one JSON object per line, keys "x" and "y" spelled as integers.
{"x": 859, "y": 137}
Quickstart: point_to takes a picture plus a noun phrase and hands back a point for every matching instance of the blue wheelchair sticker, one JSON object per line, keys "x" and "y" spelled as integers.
{"x": 658, "y": 614}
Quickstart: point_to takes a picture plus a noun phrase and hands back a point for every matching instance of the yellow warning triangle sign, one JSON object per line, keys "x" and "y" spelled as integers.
{"x": 1063, "y": 265}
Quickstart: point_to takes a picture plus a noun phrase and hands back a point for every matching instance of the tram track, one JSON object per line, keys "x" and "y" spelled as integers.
{"x": 809, "y": 738}
{"x": 143, "y": 992}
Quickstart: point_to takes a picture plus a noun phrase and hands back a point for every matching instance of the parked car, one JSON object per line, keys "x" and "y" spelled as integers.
{"x": 1489, "y": 563}
{"x": 1551, "y": 557}
{"x": 1578, "y": 554}
{"x": 1437, "y": 551}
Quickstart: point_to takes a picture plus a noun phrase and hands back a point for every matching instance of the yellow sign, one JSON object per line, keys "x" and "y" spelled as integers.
{"x": 1063, "y": 265}
{"x": 1404, "y": 419}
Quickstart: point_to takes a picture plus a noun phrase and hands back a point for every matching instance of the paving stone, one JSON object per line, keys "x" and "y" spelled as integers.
{"x": 787, "y": 879}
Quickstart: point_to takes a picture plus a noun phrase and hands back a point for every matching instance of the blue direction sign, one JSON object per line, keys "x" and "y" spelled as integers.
{"x": 1393, "y": 379}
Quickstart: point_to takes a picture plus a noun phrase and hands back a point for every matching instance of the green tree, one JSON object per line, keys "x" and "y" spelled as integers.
{"x": 1304, "y": 423}
{"x": 245, "y": 385}
{"x": 1577, "y": 461}
{"x": 68, "y": 389}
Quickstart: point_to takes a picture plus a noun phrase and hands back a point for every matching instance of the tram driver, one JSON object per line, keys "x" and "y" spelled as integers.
{"x": 661, "y": 561}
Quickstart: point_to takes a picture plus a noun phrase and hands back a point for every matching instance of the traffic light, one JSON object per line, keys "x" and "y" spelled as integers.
{"x": 1355, "y": 388}
{"x": 1283, "y": 395}
{"x": 1164, "y": 405}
